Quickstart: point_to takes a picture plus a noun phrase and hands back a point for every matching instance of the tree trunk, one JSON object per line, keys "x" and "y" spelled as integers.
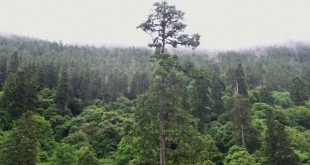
{"x": 242, "y": 136}
{"x": 162, "y": 138}
{"x": 162, "y": 141}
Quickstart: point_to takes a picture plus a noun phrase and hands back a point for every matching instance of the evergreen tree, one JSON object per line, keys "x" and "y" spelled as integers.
{"x": 265, "y": 96}
{"x": 139, "y": 84}
{"x": 217, "y": 92}
{"x": 116, "y": 86}
{"x": 240, "y": 87}
{"x": 62, "y": 91}
{"x": 184, "y": 144}
{"x": 298, "y": 91}
{"x": 166, "y": 27}
{"x": 20, "y": 91}
{"x": 64, "y": 154}
{"x": 20, "y": 147}
{"x": 3, "y": 61}
{"x": 278, "y": 150}
{"x": 243, "y": 123}
{"x": 12, "y": 63}
{"x": 202, "y": 102}
{"x": 166, "y": 23}
{"x": 87, "y": 157}
{"x": 50, "y": 76}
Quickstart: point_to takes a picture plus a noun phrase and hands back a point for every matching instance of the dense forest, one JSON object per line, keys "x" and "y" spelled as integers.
{"x": 67, "y": 104}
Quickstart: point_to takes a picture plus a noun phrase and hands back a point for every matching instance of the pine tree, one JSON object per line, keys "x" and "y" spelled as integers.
{"x": 298, "y": 91}
{"x": 202, "y": 102}
{"x": 12, "y": 63}
{"x": 20, "y": 147}
{"x": 50, "y": 76}
{"x": 278, "y": 151}
{"x": 62, "y": 91}
{"x": 217, "y": 92}
{"x": 240, "y": 88}
{"x": 3, "y": 61}
{"x": 139, "y": 84}
{"x": 243, "y": 123}
{"x": 265, "y": 96}
{"x": 166, "y": 27}
{"x": 20, "y": 90}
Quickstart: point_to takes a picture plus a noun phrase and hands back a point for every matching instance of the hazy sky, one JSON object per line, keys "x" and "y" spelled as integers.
{"x": 223, "y": 24}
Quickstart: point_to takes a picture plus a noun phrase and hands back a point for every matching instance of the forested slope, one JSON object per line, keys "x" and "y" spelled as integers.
{"x": 70, "y": 104}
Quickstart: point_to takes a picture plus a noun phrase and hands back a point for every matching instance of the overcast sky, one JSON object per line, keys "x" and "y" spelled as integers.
{"x": 223, "y": 24}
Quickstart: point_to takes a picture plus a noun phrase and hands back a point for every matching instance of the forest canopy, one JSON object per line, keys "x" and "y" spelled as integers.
{"x": 68, "y": 104}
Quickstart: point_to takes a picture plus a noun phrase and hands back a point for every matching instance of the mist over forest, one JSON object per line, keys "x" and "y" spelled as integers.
{"x": 167, "y": 104}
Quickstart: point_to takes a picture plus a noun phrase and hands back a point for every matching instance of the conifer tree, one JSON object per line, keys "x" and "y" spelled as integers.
{"x": 265, "y": 96}
{"x": 20, "y": 147}
{"x": 278, "y": 151}
{"x": 12, "y": 63}
{"x": 3, "y": 61}
{"x": 20, "y": 90}
{"x": 242, "y": 121}
{"x": 202, "y": 102}
{"x": 139, "y": 84}
{"x": 298, "y": 91}
{"x": 62, "y": 91}
{"x": 165, "y": 26}
{"x": 217, "y": 92}
{"x": 240, "y": 87}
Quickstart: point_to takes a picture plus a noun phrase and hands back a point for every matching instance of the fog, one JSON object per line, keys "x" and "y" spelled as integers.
{"x": 223, "y": 24}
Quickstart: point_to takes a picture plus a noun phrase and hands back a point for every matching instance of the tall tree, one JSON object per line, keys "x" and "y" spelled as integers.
{"x": 3, "y": 61}
{"x": 12, "y": 63}
{"x": 139, "y": 84}
{"x": 243, "y": 122}
{"x": 265, "y": 95}
{"x": 298, "y": 91}
{"x": 278, "y": 151}
{"x": 240, "y": 88}
{"x": 62, "y": 91}
{"x": 217, "y": 92}
{"x": 20, "y": 90}
{"x": 20, "y": 145}
{"x": 166, "y": 27}
{"x": 202, "y": 102}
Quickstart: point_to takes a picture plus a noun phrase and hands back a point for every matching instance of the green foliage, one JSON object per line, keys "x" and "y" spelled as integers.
{"x": 19, "y": 146}
{"x": 282, "y": 99}
{"x": 139, "y": 84}
{"x": 99, "y": 121}
{"x": 126, "y": 151}
{"x": 77, "y": 140}
{"x": 241, "y": 87}
{"x": 217, "y": 92}
{"x": 64, "y": 154}
{"x": 12, "y": 63}
{"x": 299, "y": 115}
{"x": 87, "y": 156}
{"x": 223, "y": 135}
{"x": 45, "y": 103}
{"x": 62, "y": 92}
{"x": 243, "y": 122}
{"x": 300, "y": 143}
{"x": 277, "y": 149}
{"x": 238, "y": 155}
{"x": 167, "y": 20}
{"x": 228, "y": 102}
{"x": 20, "y": 90}
{"x": 45, "y": 136}
{"x": 201, "y": 102}
{"x": 299, "y": 91}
